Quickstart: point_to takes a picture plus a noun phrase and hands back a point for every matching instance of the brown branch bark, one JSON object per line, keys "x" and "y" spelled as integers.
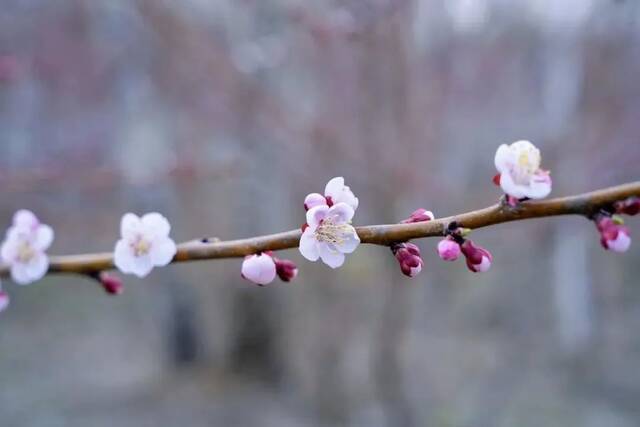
{"x": 583, "y": 204}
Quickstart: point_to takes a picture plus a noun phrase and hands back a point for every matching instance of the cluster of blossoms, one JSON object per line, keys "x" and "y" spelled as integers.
{"x": 454, "y": 244}
{"x": 326, "y": 235}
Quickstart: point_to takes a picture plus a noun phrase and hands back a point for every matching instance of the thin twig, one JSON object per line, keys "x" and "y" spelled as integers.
{"x": 586, "y": 204}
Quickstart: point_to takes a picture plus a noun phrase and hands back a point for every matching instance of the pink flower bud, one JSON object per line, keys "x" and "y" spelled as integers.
{"x": 630, "y": 206}
{"x": 259, "y": 269}
{"x": 286, "y": 269}
{"x": 448, "y": 249}
{"x": 110, "y": 283}
{"x": 408, "y": 255}
{"x": 419, "y": 215}
{"x": 478, "y": 259}
{"x": 4, "y": 301}
{"x": 613, "y": 236}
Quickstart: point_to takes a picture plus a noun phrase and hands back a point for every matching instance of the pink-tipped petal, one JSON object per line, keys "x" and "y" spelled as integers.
{"x": 314, "y": 199}
{"x": 316, "y": 215}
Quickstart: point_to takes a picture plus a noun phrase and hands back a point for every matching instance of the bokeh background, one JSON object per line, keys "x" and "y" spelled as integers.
{"x": 223, "y": 115}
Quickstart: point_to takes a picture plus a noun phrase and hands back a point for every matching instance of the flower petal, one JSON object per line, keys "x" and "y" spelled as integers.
{"x": 308, "y": 245}
{"x": 156, "y": 224}
{"x": 511, "y": 188}
{"x": 334, "y": 187}
{"x": 350, "y": 242}
{"x": 123, "y": 256}
{"x": 162, "y": 251}
{"x": 331, "y": 257}
{"x": 314, "y": 199}
{"x": 141, "y": 266}
{"x": 130, "y": 225}
{"x": 25, "y": 218}
{"x": 26, "y": 273}
{"x": 315, "y": 215}
{"x": 43, "y": 237}
{"x": 8, "y": 251}
{"x": 503, "y": 158}
{"x": 340, "y": 213}
{"x": 539, "y": 186}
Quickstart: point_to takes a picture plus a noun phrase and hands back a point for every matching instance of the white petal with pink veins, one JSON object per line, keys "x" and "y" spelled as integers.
{"x": 315, "y": 215}
{"x": 308, "y": 245}
{"x": 340, "y": 213}
{"x": 334, "y": 187}
{"x": 331, "y": 257}
{"x": 314, "y": 199}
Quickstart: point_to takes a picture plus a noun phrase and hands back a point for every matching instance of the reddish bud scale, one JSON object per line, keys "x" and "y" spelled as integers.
{"x": 419, "y": 215}
{"x": 496, "y": 180}
{"x": 286, "y": 269}
{"x": 478, "y": 259}
{"x": 111, "y": 284}
{"x": 630, "y": 206}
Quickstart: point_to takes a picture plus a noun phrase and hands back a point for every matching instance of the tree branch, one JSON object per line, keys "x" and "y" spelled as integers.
{"x": 586, "y": 204}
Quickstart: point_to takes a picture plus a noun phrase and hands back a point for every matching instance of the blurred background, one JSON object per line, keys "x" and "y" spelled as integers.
{"x": 223, "y": 115}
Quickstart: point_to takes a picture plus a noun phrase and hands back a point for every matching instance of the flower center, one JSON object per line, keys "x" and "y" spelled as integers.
{"x": 528, "y": 163}
{"x": 140, "y": 246}
{"x": 25, "y": 252}
{"x": 330, "y": 232}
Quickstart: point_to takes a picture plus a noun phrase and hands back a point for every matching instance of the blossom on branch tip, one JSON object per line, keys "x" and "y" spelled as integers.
{"x": 419, "y": 215}
{"x": 24, "y": 248}
{"x": 144, "y": 244}
{"x": 613, "y": 236}
{"x": 519, "y": 170}
{"x": 259, "y": 269}
{"x": 408, "y": 255}
{"x": 448, "y": 249}
{"x": 478, "y": 258}
{"x": 334, "y": 192}
{"x": 329, "y": 234}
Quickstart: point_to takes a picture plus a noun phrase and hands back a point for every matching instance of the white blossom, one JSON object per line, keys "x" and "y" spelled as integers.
{"x": 520, "y": 173}
{"x": 24, "y": 248}
{"x": 329, "y": 234}
{"x": 144, "y": 244}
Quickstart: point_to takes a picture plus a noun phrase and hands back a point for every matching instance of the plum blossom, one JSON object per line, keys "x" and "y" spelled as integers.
{"x": 24, "y": 248}
{"x": 408, "y": 255}
{"x": 329, "y": 234}
{"x": 144, "y": 244}
{"x": 259, "y": 269}
{"x": 448, "y": 249}
{"x": 519, "y": 170}
{"x": 334, "y": 192}
{"x": 613, "y": 235}
{"x": 478, "y": 259}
